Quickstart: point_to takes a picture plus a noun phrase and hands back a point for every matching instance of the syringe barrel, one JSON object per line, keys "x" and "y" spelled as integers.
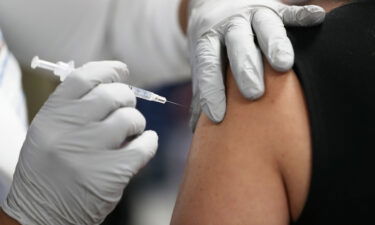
{"x": 147, "y": 95}
{"x": 140, "y": 93}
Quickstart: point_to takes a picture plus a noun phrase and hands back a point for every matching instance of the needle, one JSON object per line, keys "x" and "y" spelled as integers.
{"x": 175, "y": 103}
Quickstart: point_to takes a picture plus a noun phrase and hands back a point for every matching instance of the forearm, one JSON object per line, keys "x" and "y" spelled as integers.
{"x": 7, "y": 220}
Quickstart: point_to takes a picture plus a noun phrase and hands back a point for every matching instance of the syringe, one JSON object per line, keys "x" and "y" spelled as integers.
{"x": 62, "y": 70}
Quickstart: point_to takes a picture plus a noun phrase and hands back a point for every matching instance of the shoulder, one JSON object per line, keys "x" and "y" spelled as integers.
{"x": 343, "y": 26}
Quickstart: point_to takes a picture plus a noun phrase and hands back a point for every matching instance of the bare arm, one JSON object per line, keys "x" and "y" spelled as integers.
{"x": 7, "y": 220}
{"x": 239, "y": 172}
{"x": 184, "y": 14}
{"x": 254, "y": 167}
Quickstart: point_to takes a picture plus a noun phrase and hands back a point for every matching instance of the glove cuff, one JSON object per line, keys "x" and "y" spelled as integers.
{"x": 26, "y": 204}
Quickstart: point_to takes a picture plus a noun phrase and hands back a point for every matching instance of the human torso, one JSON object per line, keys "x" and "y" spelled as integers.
{"x": 334, "y": 64}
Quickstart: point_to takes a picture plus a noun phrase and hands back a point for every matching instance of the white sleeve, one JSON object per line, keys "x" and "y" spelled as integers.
{"x": 55, "y": 30}
{"x": 146, "y": 35}
{"x": 13, "y": 118}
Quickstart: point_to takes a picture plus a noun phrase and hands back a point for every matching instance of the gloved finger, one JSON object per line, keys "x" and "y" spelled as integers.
{"x": 308, "y": 15}
{"x": 137, "y": 153}
{"x": 195, "y": 112}
{"x": 85, "y": 78}
{"x": 245, "y": 58}
{"x": 209, "y": 76}
{"x": 105, "y": 99}
{"x": 116, "y": 167}
{"x": 273, "y": 40}
{"x": 112, "y": 132}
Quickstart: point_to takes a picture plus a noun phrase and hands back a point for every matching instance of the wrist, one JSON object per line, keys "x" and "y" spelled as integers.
{"x": 7, "y": 220}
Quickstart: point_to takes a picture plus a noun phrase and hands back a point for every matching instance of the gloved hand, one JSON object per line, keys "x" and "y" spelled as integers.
{"x": 235, "y": 23}
{"x": 81, "y": 150}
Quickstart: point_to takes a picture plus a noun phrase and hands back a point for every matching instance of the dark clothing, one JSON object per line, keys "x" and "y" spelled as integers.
{"x": 335, "y": 64}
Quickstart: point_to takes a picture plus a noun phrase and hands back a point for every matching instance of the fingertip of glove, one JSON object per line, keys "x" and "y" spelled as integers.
{"x": 152, "y": 134}
{"x": 215, "y": 112}
{"x": 152, "y": 142}
{"x": 282, "y": 60}
{"x": 251, "y": 83}
{"x": 122, "y": 69}
{"x": 314, "y": 15}
{"x": 193, "y": 122}
{"x": 315, "y": 9}
{"x": 253, "y": 93}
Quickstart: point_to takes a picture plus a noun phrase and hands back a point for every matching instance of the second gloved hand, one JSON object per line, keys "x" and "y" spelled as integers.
{"x": 81, "y": 150}
{"x": 234, "y": 24}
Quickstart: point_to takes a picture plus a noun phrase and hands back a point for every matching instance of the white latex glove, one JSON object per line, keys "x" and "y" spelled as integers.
{"x": 81, "y": 150}
{"x": 234, "y": 24}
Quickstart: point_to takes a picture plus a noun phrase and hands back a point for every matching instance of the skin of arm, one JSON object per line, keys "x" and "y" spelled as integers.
{"x": 254, "y": 167}
{"x": 235, "y": 173}
{"x": 7, "y": 220}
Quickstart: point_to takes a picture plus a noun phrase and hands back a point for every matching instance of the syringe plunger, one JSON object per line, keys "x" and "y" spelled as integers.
{"x": 60, "y": 69}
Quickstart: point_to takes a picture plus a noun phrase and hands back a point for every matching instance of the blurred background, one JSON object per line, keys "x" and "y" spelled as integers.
{"x": 150, "y": 197}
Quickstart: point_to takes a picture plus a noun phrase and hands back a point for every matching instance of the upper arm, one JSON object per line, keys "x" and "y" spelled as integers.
{"x": 239, "y": 171}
